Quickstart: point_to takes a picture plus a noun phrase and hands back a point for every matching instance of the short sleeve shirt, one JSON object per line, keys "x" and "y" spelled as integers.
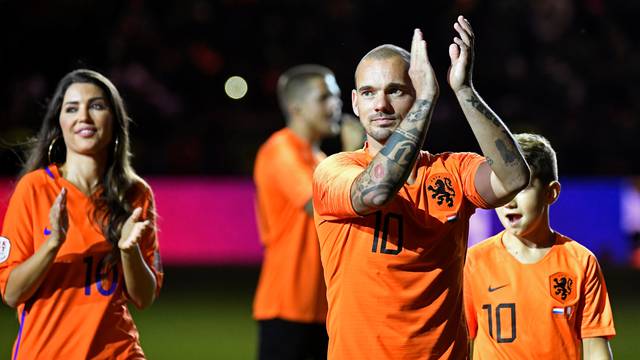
{"x": 80, "y": 309}
{"x": 291, "y": 285}
{"x": 394, "y": 277}
{"x": 534, "y": 311}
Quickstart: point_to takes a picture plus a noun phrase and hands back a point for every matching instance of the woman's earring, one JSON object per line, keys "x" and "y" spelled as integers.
{"x": 53, "y": 142}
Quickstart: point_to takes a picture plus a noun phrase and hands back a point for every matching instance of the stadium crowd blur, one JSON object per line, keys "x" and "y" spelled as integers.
{"x": 567, "y": 69}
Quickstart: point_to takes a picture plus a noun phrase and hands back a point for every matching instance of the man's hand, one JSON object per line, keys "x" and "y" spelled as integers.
{"x": 132, "y": 231}
{"x": 461, "y": 53}
{"x": 420, "y": 70}
{"x": 59, "y": 220}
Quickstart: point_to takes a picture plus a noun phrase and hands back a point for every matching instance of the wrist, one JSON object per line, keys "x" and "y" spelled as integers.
{"x": 464, "y": 90}
{"x": 429, "y": 96}
{"x": 130, "y": 251}
{"x": 54, "y": 243}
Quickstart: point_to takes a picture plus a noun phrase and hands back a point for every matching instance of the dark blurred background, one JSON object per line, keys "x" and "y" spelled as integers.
{"x": 566, "y": 69}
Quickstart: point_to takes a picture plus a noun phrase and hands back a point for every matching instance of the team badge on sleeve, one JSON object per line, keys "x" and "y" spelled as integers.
{"x": 562, "y": 287}
{"x": 5, "y": 248}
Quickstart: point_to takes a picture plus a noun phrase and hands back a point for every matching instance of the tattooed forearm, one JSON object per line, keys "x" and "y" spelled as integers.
{"x": 422, "y": 108}
{"x": 508, "y": 155}
{"x": 401, "y": 151}
{"x": 489, "y": 160}
{"x": 389, "y": 169}
{"x": 504, "y": 144}
{"x": 368, "y": 190}
{"x": 409, "y": 135}
{"x": 480, "y": 106}
{"x": 499, "y": 148}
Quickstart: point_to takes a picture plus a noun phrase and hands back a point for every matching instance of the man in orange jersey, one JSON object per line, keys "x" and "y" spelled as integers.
{"x": 290, "y": 302}
{"x": 530, "y": 292}
{"x": 393, "y": 220}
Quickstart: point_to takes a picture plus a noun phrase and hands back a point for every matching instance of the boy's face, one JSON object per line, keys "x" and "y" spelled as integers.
{"x": 528, "y": 211}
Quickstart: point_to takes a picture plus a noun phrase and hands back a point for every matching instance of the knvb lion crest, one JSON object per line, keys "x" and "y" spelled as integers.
{"x": 562, "y": 286}
{"x": 441, "y": 189}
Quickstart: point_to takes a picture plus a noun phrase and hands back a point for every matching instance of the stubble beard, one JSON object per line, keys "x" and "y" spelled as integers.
{"x": 381, "y": 134}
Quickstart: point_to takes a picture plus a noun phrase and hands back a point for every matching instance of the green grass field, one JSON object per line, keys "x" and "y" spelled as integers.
{"x": 205, "y": 313}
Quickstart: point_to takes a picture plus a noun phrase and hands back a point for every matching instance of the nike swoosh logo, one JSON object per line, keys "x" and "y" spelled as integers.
{"x": 496, "y": 288}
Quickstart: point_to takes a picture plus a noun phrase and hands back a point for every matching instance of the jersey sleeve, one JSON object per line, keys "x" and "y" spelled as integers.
{"x": 595, "y": 318}
{"x": 17, "y": 241}
{"x": 468, "y": 164}
{"x": 469, "y": 308}
{"x": 149, "y": 243}
{"x": 332, "y": 182}
{"x": 284, "y": 170}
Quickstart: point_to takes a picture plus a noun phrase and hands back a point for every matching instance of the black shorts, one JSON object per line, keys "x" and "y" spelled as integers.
{"x": 287, "y": 340}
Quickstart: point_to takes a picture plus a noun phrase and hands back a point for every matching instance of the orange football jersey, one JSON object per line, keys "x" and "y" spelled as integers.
{"x": 291, "y": 286}
{"x": 80, "y": 309}
{"x": 534, "y": 311}
{"x": 394, "y": 277}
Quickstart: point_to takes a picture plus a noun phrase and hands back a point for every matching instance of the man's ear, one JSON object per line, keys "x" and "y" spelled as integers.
{"x": 354, "y": 97}
{"x": 553, "y": 192}
{"x": 293, "y": 108}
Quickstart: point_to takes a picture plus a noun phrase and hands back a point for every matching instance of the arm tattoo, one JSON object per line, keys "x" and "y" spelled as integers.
{"x": 369, "y": 190}
{"x": 489, "y": 160}
{"x": 484, "y": 110}
{"x": 378, "y": 171}
{"x": 508, "y": 156}
{"x": 499, "y": 148}
{"x": 423, "y": 108}
{"x": 409, "y": 135}
{"x": 388, "y": 171}
{"x": 401, "y": 149}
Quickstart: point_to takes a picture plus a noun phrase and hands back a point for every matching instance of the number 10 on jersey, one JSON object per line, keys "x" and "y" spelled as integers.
{"x": 502, "y": 321}
{"x": 383, "y": 225}
{"x": 97, "y": 275}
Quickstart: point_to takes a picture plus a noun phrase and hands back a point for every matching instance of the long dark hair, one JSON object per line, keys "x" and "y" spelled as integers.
{"x": 114, "y": 201}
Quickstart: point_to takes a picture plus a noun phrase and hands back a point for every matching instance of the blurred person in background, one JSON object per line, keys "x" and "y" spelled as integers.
{"x": 393, "y": 220}
{"x": 529, "y": 291}
{"x": 79, "y": 236}
{"x": 290, "y": 303}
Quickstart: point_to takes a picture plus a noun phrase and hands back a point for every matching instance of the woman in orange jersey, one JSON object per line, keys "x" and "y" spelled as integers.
{"x": 79, "y": 238}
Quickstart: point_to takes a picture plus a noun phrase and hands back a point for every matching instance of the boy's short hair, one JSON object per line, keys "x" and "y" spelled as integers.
{"x": 293, "y": 83}
{"x": 539, "y": 155}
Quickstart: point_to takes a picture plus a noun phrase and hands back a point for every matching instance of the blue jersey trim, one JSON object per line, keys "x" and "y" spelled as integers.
{"x": 49, "y": 172}
{"x": 24, "y": 312}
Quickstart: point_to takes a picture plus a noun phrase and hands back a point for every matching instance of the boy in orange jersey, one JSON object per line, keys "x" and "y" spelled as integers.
{"x": 393, "y": 220}
{"x": 290, "y": 302}
{"x": 530, "y": 292}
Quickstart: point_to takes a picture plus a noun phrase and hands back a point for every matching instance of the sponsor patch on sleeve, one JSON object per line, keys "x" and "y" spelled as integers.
{"x": 5, "y": 249}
